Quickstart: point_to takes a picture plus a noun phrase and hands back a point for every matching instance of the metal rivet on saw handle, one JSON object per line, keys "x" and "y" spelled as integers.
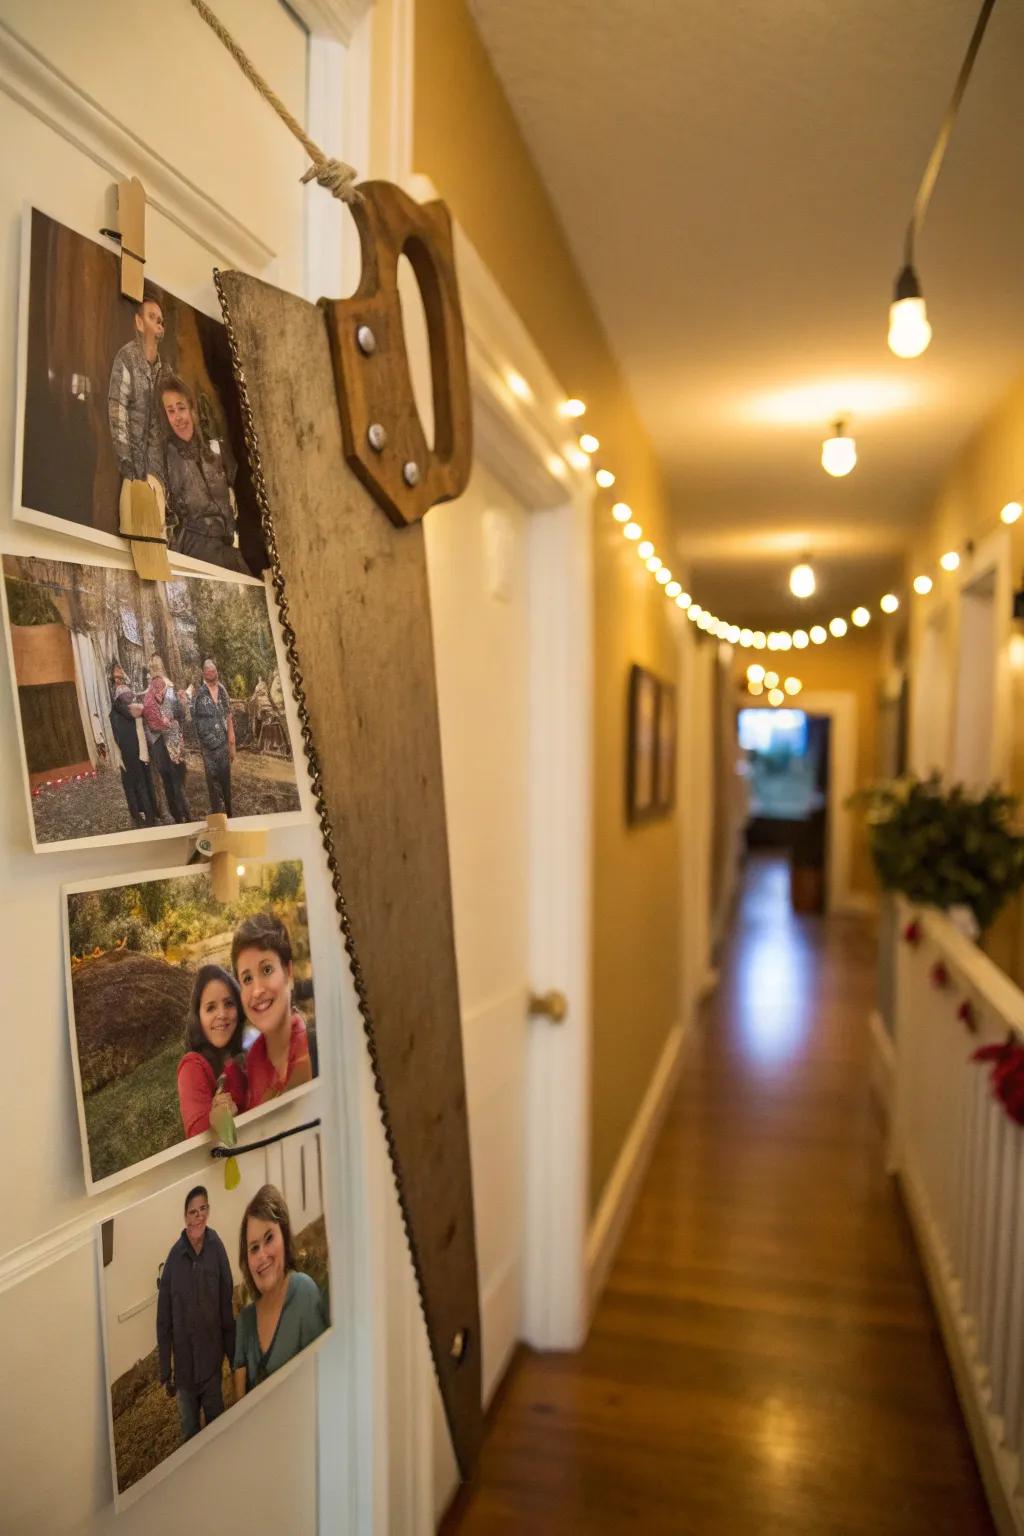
{"x": 366, "y": 340}
{"x": 376, "y": 436}
{"x": 411, "y": 473}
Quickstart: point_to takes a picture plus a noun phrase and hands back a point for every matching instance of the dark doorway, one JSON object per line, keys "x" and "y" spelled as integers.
{"x": 787, "y": 756}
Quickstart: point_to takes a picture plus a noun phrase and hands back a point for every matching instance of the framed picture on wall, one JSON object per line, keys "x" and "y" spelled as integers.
{"x": 642, "y": 745}
{"x": 665, "y": 771}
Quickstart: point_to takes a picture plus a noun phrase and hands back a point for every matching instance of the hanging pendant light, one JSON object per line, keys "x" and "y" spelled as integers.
{"x": 909, "y": 331}
{"x": 801, "y": 579}
{"x": 838, "y": 452}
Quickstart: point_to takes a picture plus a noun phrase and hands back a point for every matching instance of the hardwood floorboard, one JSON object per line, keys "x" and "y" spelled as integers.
{"x": 764, "y": 1359}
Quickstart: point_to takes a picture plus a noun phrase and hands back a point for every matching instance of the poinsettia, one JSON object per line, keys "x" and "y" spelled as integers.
{"x": 1007, "y": 1076}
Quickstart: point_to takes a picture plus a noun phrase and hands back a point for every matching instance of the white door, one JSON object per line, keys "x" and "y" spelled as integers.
{"x": 89, "y": 93}
{"x": 476, "y": 550}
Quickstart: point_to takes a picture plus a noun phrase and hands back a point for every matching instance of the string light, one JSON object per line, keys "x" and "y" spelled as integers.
{"x": 792, "y": 686}
{"x": 909, "y": 330}
{"x": 922, "y": 585}
{"x": 577, "y": 458}
{"x": 755, "y": 689}
{"x": 605, "y": 479}
{"x": 622, "y": 512}
{"x": 694, "y": 611}
{"x": 673, "y": 589}
{"x": 771, "y": 679}
{"x": 757, "y": 640}
{"x": 654, "y": 564}
{"x": 776, "y": 697}
{"x": 645, "y": 550}
{"x": 589, "y": 443}
{"x": 1010, "y": 513}
{"x": 801, "y": 639}
{"x": 860, "y": 617}
{"x": 572, "y": 408}
{"x": 785, "y": 640}
{"x": 664, "y": 576}
{"x": 837, "y": 627}
{"x": 950, "y": 561}
{"x": 519, "y": 387}
{"x": 746, "y": 638}
{"x": 684, "y": 600}
{"x": 889, "y": 603}
{"x": 818, "y": 634}
{"x": 755, "y": 672}
{"x": 733, "y": 633}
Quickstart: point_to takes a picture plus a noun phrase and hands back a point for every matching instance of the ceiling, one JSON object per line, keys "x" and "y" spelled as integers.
{"x": 735, "y": 182}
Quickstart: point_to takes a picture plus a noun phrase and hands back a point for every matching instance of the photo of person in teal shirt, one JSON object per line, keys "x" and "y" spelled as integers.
{"x": 288, "y": 1310}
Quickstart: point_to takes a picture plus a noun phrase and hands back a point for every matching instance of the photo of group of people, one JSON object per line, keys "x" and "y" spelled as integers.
{"x": 179, "y": 1004}
{"x": 208, "y": 1293}
{"x": 144, "y": 705}
{"x": 117, "y": 392}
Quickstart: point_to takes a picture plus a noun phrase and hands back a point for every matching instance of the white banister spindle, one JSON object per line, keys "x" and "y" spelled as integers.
{"x": 960, "y": 1161}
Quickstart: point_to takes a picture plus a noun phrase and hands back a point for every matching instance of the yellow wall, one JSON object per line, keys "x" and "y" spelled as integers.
{"x": 989, "y": 473}
{"x": 853, "y": 665}
{"x": 466, "y": 140}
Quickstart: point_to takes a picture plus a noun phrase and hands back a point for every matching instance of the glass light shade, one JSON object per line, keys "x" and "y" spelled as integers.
{"x": 838, "y": 455}
{"x": 801, "y": 580}
{"x": 909, "y": 331}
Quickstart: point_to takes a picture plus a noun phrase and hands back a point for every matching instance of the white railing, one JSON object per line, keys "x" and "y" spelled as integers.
{"x": 960, "y": 1161}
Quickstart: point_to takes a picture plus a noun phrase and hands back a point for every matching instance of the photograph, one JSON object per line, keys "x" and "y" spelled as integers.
{"x": 642, "y": 744}
{"x": 665, "y": 776}
{"x": 180, "y": 1004}
{"x": 113, "y": 391}
{"x": 143, "y": 706}
{"x": 209, "y": 1297}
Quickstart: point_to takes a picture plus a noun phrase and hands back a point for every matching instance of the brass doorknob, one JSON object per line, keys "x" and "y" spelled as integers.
{"x": 548, "y": 1005}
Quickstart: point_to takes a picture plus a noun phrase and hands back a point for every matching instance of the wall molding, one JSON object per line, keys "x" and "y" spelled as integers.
{"x": 37, "y": 85}
{"x": 334, "y": 19}
{"x": 620, "y": 1193}
{"x": 882, "y": 1065}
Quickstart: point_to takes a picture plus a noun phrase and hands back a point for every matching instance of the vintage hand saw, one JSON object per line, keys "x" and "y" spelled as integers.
{"x": 344, "y": 476}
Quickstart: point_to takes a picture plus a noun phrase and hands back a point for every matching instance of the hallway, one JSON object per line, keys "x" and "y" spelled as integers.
{"x": 764, "y": 1358}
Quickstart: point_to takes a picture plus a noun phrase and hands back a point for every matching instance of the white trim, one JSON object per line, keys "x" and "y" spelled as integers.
{"x": 38, "y": 86}
{"x": 998, "y": 1467}
{"x": 331, "y": 20}
{"x": 620, "y": 1193}
{"x": 840, "y": 707}
{"x": 881, "y": 1064}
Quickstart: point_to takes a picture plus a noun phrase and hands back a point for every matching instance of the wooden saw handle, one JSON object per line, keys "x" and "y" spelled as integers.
{"x": 384, "y": 441}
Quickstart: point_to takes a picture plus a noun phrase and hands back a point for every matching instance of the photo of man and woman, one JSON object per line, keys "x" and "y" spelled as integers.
{"x": 180, "y": 1005}
{"x": 117, "y": 392}
{"x": 207, "y": 1295}
{"x": 144, "y": 705}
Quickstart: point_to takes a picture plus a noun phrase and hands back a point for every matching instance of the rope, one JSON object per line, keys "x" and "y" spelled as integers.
{"x": 335, "y": 175}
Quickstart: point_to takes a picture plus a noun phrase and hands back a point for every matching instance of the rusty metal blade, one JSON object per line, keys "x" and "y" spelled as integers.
{"x": 356, "y": 599}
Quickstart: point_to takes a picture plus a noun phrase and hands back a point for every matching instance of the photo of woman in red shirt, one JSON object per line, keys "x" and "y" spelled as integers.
{"x": 261, "y": 957}
{"x": 211, "y": 1074}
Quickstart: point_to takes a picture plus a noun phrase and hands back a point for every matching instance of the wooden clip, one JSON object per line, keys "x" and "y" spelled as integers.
{"x": 131, "y": 231}
{"x": 225, "y": 850}
{"x": 143, "y": 525}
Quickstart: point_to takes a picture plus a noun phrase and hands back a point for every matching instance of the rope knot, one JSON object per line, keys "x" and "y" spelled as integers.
{"x": 337, "y": 177}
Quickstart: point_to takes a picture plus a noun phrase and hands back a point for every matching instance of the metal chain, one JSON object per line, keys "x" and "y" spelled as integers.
{"x": 316, "y": 781}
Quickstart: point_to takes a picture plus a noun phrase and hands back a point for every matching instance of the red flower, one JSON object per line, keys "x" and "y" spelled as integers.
{"x": 1007, "y": 1076}
{"x": 912, "y": 932}
{"x": 940, "y": 976}
{"x": 965, "y": 1013}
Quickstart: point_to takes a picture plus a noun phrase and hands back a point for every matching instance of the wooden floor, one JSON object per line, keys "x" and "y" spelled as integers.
{"x": 764, "y": 1359}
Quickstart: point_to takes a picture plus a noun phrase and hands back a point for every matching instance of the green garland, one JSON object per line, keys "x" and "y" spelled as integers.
{"x": 944, "y": 847}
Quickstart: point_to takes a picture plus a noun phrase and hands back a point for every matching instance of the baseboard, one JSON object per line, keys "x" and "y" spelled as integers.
{"x": 882, "y": 1065}
{"x": 997, "y": 1466}
{"x": 620, "y": 1192}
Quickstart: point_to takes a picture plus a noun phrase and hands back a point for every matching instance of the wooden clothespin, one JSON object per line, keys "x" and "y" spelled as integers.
{"x": 225, "y": 850}
{"x": 131, "y": 232}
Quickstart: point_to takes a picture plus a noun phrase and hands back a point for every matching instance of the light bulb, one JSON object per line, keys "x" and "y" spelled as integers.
{"x": 746, "y": 638}
{"x": 622, "y": 512}
{"x": 722, "y": 629}
{"x": 758, "y": 640}
{"x": 909, "y": 331}
{"x": 654, "y": 563}
{"x": 755, "y": 672}
{"x": 733, "y": 634}
{"x": 785, "y": 640}
{"x": 239, "y": 870}
{"x": 773, "y": 640}
{"x": 860, "y": 617}
{"x": 556, "y": 464}
{"x": 771, "y": 679}
{"x": 800, "y": 639}
{"x": 801, "y": 580}
{"x": 605, "y": 479}
{"x": 889, "y": 603}
{"x": 664, "y": 575}
{"x": 792, "y": 686}
{"x": 1011, "y": 512}
{"x": 577, "y": 458}
{"x": 519, "y": 387}
{"x": 673, "y": 589}
{"x": 950, "y": 561}
{"x": 922, "y": 585}
{"x": 572, "y": 408}
{"x": 632, "y": 531}
{"x": 684, "y": 599}
{"x": 645, "y": 550}
{"x": 838, "y": 453}
{"x": 694, "y": 611}
{"x": 756, "y": 689}
{"x": 819, "y": 634}
{"x": 838, "y": 628}
{"x": 776, "y": 697}
{"x": 589, "y": 443}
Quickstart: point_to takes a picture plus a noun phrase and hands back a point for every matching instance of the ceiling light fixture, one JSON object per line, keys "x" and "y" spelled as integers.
{"x": 801, "y": 579}
{"x": 838, "y": 452}
{"x": 909, "y": 330}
